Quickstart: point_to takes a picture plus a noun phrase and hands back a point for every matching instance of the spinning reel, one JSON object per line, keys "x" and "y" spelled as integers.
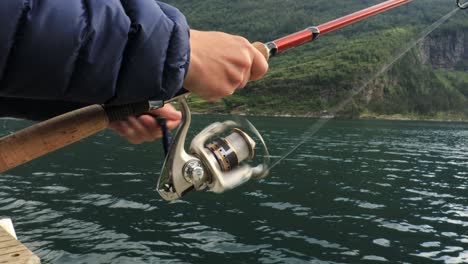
{"x": 213, "y": 162}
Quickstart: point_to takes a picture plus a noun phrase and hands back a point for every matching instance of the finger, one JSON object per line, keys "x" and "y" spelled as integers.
{"x": 151, "y": 125}
{"x": 238, "y": 71}
{"x": 135, "y": 141}
{"x": 127, "y": 130}
{"x": 130, "y": 134}
{"x": 168, "y": 112}
{"x": 246, "y": 77}
{"x": 259, "y": 66}
{"x": 171, "y": 124}
{"x": 247, "y": 73}
{"x": 141, "y": 131}
{"x": 118, "y": 128}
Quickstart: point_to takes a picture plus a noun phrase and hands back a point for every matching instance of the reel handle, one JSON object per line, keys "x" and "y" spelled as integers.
{"x": 55, "y": 133}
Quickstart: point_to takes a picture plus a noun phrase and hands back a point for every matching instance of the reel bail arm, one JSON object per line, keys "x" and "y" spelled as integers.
{"x": 462, "y": 4}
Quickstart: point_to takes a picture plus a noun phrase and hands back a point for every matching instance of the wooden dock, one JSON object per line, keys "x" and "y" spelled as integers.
{"x": 12, "y": 251}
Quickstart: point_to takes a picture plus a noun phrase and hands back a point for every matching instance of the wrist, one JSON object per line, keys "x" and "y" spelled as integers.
{"x": 193, "y": 73}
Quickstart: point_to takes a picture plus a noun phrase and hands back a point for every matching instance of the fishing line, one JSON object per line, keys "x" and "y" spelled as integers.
{"x": 312, "y": 130}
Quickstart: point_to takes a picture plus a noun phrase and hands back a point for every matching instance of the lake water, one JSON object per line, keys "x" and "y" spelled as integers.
{"x": 356, "y": 192}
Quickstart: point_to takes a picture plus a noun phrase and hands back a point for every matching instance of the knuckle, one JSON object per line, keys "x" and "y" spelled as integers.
{"x": 263, "y": 68}
{"x": 260, "y": 73}
{"x": 244, "y": 42}
{"x": 236, "y": 78}
{"x": 243, "y": 84}
{"x": 226, "y": 92}
{"x": 247, "y": 50}
{"x": 246, "y": 62}
{"x": 237, "y": 81}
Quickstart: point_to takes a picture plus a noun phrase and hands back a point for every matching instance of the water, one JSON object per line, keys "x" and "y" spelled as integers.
{"x": 357, "y": 192}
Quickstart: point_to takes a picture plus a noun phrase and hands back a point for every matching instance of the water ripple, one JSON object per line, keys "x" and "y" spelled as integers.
{"x": 356, "y": 192}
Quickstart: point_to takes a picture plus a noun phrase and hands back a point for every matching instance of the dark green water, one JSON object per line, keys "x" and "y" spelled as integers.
{"x": 357, "y": 192}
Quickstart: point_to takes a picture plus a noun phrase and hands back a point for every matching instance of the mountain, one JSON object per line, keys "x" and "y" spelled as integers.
{"x": 430, "y": 80}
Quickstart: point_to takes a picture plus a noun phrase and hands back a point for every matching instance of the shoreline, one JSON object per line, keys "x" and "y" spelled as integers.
{"x": 400, "y": 117}
{"x": 397, "y": 117}
{"x": 415, "y": 119}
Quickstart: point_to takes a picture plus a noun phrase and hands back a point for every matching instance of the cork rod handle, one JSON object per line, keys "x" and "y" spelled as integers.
{"x": 263, "y": 49}
{"x": 53, "y": 134}
{"x": 42, "y": 138}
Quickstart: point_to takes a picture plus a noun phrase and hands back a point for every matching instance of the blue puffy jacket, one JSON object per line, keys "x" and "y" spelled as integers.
{"x": 57, "y": 55}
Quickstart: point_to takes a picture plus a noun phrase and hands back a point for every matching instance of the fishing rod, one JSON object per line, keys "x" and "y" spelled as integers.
{"x": 309, "y": 34}
{"x": 218, "y": 156}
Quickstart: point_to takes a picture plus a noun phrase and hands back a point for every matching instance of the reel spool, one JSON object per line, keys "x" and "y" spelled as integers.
{"x": 214, "y": 162}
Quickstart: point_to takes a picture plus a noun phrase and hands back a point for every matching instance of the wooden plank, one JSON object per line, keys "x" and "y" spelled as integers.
{"x": 20, "y": 258}
{"x": 4, "y": 239}
{"x": 12, "y": 251}
{"x": 7, "y": 244}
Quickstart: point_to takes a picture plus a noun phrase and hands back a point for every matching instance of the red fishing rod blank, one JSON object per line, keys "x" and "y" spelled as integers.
{"x": 311, "y": 33}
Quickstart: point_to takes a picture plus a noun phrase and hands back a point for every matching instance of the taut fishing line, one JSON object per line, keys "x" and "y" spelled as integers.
{"x": 312, "y": 130}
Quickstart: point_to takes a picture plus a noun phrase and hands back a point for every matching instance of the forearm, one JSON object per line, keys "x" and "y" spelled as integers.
{"x": 92, "y": 51}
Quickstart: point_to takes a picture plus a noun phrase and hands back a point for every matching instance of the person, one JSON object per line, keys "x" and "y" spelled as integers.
{"x": 57, "y": 56}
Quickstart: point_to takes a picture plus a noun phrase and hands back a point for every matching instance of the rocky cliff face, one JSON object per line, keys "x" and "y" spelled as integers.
{"x": 445, "y": 50}
{"x": 413, "y": 87}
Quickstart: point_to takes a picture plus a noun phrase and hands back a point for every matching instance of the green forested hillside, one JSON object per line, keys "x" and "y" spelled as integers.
{"x": 431, "y": 80}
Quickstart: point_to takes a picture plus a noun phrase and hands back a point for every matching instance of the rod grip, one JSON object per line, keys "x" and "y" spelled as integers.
{"x": 55, "y": 133}
{"x": 42, "y": 138}
{"x": 263, "y": 49}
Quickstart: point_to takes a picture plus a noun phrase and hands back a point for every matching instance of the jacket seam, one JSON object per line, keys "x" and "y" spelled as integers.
{"x": 164, "y": 89}
{"x": 133, "y": 31}
{"x": 82, "y": 45}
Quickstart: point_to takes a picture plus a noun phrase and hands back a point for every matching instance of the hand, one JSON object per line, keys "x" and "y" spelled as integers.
{"x": 221, "y": 63}
{"x": 145, "y": 128}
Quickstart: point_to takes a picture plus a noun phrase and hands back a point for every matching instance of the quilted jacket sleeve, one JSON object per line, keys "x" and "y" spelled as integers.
{"x": 91, "y": 51}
